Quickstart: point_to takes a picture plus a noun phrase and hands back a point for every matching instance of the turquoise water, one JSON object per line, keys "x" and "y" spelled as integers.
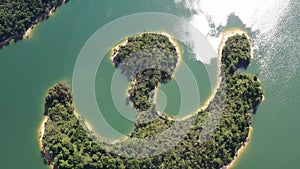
{"x": 112, "y": 86}
{"x": 29, "y": 67}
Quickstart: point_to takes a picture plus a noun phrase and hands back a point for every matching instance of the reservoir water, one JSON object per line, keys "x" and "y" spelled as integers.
{"x": 29, "y": 67}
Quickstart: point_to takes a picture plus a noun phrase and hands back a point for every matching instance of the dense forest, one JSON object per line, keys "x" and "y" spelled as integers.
{"x": 147, "y": 59}
{"x": 66, "y": 143}
{"x": 16, "y": 16}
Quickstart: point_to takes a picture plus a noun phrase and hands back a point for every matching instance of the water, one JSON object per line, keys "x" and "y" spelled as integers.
{"x": 173, "y": 90}
{"x": 29, "y": 67}
{"x": 112, "y": 86}
{"x": 275, "y": 29}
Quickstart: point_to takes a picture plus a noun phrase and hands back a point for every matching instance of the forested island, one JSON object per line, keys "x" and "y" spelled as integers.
{"x": 19, "y": 16}
{"x": 147, "y": 59}
{"x": 65, "y": 142}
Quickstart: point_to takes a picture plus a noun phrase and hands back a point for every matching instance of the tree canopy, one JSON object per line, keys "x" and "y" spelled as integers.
{"x": 16, "y": 16}
{"x": 148, "y": 59}
{"x": 66, "y": 143}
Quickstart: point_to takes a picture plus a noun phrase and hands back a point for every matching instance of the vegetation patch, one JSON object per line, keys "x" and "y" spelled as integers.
{"x": 147, "y": 59}
{"x": 66, "y": 143}
{"x": 17, "y": 16}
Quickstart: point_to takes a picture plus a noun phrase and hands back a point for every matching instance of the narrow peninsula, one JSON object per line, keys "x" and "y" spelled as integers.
{"x": 66, "y": 144}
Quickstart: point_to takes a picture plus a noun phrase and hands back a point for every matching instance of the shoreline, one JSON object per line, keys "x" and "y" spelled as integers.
{"x": 124, "y": 42}
{"x": 27, "y": 33}
{"x": 42, "y": 131}
{"x": 40, "y": 136}
{"x": 114, "y": 51}
{"x": 231, "y": 32}
{"x": 89, "y": 127}
{"x": 240, "y": 150}
{"x": 225, "y": 35}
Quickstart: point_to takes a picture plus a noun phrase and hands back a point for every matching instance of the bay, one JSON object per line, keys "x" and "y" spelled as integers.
{"x": 29, "y": 67}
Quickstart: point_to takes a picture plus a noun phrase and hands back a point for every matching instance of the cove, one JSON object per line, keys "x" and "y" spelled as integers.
{"x": 111, "y": 91}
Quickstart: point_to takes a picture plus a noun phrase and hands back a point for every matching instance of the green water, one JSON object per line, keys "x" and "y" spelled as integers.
{"x": 112, "y": 86}
{"x": 29, "y": 67}
{"x": 274, "y": 142}
{"x": 172, "y": 91}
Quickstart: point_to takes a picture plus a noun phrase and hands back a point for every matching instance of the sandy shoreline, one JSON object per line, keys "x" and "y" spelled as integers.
{"x": 109, "y": 141}
{"x": 42, "y": 131}
{"x": 116, "y": 48}
{"x": 225, "y": 36}
{"x": 124, "y": 42}
{"x": 240, "y": 151}
{"x": 50, "y": 13}
{"x": 41, "y": 134}
{"x": 27, "y": 33}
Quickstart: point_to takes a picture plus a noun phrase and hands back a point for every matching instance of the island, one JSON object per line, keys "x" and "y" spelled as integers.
{"x": 65, "y": 142}
{"x": 18, "y": 17}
